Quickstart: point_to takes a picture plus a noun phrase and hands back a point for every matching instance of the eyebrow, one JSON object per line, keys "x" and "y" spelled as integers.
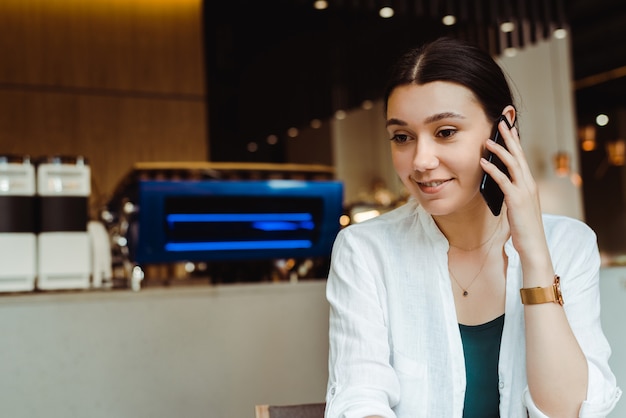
{"x": 445, "y": 115}
{"x": 394, "y": 121}
{"x": 433, "y": 118}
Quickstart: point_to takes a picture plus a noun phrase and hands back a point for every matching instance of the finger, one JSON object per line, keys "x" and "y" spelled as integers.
{"x": 514, "y": 147}
{"x": 493, "y": 170}
{"x": 507, "y": 159}
{"x": 511, "y": 192}
{"x": 496, "y": 174}
{"x": 521, "y": 180}
{"x": 511, "y": 139}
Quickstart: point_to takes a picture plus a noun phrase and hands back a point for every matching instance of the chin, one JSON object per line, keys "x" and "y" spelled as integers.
{"x": 436, "y": 208}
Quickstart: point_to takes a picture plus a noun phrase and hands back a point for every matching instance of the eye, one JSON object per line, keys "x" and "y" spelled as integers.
{"x": 446, "y": 133}
{"x": 400, "y": 138}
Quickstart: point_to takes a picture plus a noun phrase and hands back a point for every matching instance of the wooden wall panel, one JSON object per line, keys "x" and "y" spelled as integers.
{"x": 118, "y": 81}
{"x": 131, "y": 45}
{"x": 112, "y": 132}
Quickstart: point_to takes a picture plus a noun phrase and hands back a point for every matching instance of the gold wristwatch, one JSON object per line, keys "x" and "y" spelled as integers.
{"x": 535, "y": 295}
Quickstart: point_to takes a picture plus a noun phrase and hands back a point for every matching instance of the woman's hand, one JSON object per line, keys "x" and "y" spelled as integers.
{"x": 550, "y": 341}
{"x": 521, "y": 197}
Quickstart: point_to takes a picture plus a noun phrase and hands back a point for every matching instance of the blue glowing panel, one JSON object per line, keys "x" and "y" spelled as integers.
{"x": 236, "y": 220}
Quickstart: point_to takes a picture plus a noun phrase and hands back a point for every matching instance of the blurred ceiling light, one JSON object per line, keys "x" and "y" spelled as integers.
{"x": 386, "y": 12}
{"x": 602, "y": 119}
{"x": 587, "y": 137}
{"x": 365, "y": 215}
{"x": 367, "y": 104}
{"x": 292, "y": 132}
{"x": 252, "y": 147}
{"x": 576, "y": 179}
{"x": 588, "y": 145}
{"x": 510, "y": 51}
{"x": 344, "y": 220}
{"x": 272, "y": 139}
{"x": 507, "y": 27}
{"x": 316, "y": 123}
{"x": 320, "y": 4}
{"x": 449, "y": 20}
{"x": 560, "y": 33}
{"x": 340, "y": 114}
{"x": 562, "y": 163}
{"x": 616, "y": 151}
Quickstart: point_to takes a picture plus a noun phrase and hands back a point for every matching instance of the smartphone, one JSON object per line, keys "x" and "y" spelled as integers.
{"x": 488, "y": 187}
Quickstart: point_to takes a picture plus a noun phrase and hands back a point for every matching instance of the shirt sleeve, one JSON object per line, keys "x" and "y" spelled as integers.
{"x": 361, "y": 380}
{"x": 577, "y": 261}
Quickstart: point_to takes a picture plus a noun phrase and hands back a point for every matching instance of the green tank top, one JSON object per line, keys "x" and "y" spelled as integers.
{"x": 481, "y": 347}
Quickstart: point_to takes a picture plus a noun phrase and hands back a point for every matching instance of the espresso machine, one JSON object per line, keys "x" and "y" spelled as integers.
{"x": 18, "y": 239}
{"x": 64, "y": 250}
{"x": 177, "y": 222}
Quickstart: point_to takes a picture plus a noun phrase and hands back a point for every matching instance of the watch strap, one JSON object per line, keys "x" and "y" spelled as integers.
{"x": 537, "y": 295}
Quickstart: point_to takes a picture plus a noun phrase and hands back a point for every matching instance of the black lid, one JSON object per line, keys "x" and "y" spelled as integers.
{"x": 14, "y": 159}
{"x": 63, "y": 159}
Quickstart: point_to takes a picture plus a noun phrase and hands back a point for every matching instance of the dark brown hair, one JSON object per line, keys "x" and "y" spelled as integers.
{"x": 456, "y": 61}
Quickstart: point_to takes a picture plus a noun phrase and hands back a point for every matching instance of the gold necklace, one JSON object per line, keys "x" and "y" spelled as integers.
{"x": 483, "y": 243}
{"x": 466, "y": 289}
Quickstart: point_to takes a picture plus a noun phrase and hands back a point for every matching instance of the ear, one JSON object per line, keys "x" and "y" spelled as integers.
{"x": 510, "y": 114}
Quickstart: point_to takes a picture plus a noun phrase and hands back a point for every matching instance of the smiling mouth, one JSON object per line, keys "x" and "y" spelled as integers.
{"x": 434, "y": 183}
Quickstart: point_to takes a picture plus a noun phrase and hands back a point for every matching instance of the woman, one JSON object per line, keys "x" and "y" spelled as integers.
{"x": 426, "y": 314}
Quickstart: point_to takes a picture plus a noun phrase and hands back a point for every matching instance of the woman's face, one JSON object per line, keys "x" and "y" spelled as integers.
{"x": 438, "y": 131}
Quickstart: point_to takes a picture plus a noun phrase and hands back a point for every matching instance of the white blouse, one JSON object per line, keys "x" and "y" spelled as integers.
{"x": 395, "y": 345}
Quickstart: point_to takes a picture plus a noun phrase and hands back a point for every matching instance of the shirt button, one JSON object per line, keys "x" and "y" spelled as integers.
{"x": 501, "y": 385}
{"x": 332, "y": 391}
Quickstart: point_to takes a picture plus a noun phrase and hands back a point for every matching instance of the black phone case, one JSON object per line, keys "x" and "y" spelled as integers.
{"x": 488, "y": 187}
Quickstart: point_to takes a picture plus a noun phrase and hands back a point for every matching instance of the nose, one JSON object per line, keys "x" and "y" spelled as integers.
{"x": 425, "y": 157}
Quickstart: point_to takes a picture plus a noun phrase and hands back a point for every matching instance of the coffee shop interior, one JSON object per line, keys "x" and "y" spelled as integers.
{"x": 173, "y": 174}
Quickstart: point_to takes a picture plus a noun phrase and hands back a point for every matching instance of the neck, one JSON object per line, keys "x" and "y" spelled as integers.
{"x": 470, "y": 232}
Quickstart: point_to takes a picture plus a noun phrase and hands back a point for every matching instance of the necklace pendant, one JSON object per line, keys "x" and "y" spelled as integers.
{"x": 465, "y": 293}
